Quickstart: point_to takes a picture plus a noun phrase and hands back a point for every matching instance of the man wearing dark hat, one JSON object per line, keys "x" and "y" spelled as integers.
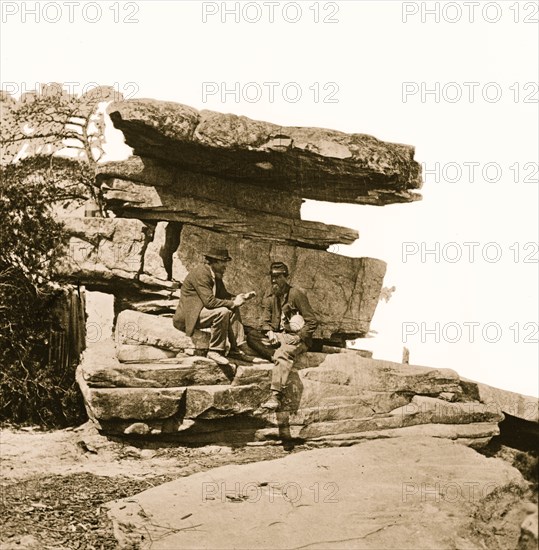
{"x": 289, "y": 323}
{"x": 205, "y": 303}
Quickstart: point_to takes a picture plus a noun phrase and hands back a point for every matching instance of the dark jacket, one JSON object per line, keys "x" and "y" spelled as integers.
{"x": 196, "y": 293}
{"x": 294, "y": 301}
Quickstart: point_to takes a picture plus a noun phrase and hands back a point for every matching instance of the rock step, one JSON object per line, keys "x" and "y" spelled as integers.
{"x": 215, "y": 401}
{"x": 141, "y": 353}
{"x": 194, "y": 400}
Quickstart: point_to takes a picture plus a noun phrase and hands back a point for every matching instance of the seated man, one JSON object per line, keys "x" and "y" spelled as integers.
{"x": 205, "y": 302}
{"x": 289, "y": 323}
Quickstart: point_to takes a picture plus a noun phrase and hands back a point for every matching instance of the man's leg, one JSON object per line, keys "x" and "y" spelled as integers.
{"x": 236, "y": 332}
{"x": 283, "y": 359}
{"x": 260, "y": 344}
{"x": 219, "y": 321}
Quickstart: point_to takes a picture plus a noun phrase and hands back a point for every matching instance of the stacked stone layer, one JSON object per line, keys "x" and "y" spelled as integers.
{"x": 331, "y": 398}
{"x": 202, "y": 179}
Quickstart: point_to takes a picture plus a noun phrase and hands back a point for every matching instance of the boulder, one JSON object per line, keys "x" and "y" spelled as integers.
{"x": 187, "y": 372}
{"x": 417, "y": 493}
{"x": 312, "y": 163}
{"x": 342, "y": 291}
{"x": 133, "y": 327}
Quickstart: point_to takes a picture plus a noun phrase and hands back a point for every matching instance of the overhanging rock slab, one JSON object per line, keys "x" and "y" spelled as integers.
{"x": 241, "y": 222}
{"x": 313, "y": 163}
{"x": 140, "y": 182}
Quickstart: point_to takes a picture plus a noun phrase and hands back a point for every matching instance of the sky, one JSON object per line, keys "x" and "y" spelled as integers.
{"x": 458, "y": 80}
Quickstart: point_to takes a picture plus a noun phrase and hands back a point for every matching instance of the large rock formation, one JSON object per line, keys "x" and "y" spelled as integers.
{"x": 209, "y": 179}
{"x": 205, "y": 179}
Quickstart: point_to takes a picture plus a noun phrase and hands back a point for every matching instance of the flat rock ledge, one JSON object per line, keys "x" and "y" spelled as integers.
{"x": 406, "y": 494}
{"x": 332, "y": 399}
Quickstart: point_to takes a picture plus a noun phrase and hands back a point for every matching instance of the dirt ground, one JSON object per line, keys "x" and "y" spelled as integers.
{"x": 54, "y": 483}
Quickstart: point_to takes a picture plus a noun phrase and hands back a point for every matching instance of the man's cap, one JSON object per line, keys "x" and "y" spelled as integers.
{"x": 278, "y": 268}
{"x": 218, "y": 254}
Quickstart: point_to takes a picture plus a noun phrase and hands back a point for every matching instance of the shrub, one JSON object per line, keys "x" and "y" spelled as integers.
{"x": 31, "y": 241}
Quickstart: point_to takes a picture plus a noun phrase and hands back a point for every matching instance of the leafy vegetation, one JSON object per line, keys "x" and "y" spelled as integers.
{"x": 32, "y": 241}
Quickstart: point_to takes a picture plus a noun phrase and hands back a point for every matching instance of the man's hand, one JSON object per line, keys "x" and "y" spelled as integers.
{"x": 272, "y": 338}
{"x": 239, "y": 300}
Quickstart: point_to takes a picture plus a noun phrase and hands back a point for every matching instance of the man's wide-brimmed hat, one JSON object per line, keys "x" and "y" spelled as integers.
{"x": 278, "y": 268}
{"x": 218, "y": 254}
